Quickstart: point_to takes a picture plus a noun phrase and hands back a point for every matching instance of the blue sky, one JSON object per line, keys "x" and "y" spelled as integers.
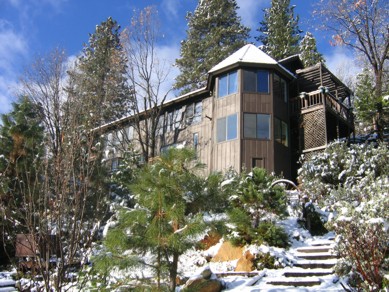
{"x": 34, "y": 27}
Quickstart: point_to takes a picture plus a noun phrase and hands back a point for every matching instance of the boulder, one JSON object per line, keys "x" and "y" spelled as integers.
{"x": 202, "y": 285}
{"x": 245, "y": 263}
{"x": 228, "y": 252}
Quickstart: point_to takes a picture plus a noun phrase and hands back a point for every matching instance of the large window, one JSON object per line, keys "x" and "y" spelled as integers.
{"x": 281, "y": 132}
{"x": 228, "y": 84}
{"x": 256, "y": 81}
{"x": 256, "y": 126}
{"x": 227, "y": 128}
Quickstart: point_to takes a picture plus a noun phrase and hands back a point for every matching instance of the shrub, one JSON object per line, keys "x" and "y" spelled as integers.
{"x": 353, "y": 182}
{"x": 254, "y": 207}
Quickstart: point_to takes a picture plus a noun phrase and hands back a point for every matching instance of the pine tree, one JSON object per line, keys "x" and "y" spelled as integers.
{"x": 215, "y": 31}
{"x": 21, "y": 153}
{"x": 364, "y": 98}
{"x": 279, "y": 30}
{"x": 99, "y": 79}
{"x": 308, "y": 51}
{"x": 164, "y": 221}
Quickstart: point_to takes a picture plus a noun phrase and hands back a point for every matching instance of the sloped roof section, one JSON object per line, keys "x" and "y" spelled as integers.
{"x": 247, "y": 54}
{"x": 250, "y": 54}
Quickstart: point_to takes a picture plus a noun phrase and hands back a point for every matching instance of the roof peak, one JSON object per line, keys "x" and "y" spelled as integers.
{"x": 247, "y": 54}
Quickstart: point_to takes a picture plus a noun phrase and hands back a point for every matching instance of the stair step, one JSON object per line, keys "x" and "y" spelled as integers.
{"x": 323, "y": 242}
{"x": 296, "y": 282}
{"x": 314, "y": 249}
{"x": 316, "y": 256}
{"x": 296, "y": 272}
{"x": 316, "y": 264}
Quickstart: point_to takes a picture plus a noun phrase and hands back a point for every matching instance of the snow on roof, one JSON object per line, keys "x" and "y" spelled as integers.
{"x": 247, "y": 54}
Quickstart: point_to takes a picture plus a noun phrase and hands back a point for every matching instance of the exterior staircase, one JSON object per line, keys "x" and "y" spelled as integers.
{"x": 312, "y": 270}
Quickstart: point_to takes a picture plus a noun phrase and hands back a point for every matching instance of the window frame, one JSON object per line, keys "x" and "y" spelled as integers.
{"x": 223, "y": 127}
{"x": 281, "y": 130}
{"x": 228, "y": 86}
{"x": 255, "y": 77}
{"x": 257, "y": 129}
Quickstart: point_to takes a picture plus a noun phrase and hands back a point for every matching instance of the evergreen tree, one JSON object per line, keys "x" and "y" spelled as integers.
{"x": 279, "y": 30}
{"x": 308, "y": 51}
{"x": 365, "y": 102}
{"x": 215, "y": 32}
{"x": 165, "y": 218}
{"x": 99, "y": 79}
{"x": 21, "y": 150}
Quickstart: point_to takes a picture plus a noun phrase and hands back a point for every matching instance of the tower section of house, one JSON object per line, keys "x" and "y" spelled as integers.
{"x": 250, "y": 113}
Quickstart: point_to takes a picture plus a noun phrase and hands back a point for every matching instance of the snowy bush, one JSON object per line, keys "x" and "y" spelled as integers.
{"x": 255, "y": 205}
{"x": 353, "y": 182}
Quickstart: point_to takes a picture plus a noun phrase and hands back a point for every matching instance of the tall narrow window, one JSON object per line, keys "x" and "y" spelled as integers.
{"x": 281, "y": 132}
{"x": 195, "y": 141}
{"x": 228, "y": 84}
{"x": 256, "y": 126}
{"x": 227, "y": 128}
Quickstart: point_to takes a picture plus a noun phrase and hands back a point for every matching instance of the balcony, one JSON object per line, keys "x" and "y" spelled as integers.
{"x": 314, "y": 99}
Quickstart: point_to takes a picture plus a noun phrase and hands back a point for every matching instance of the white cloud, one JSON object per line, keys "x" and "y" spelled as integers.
{"x": 342, "y": 62}
{"x": 172, "y": 7}
{"x": 251, "y": 12}
{"x": 167, "y": 55}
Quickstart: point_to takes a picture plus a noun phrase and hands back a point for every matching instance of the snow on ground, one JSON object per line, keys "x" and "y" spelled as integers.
{"x": 193, "y": 262}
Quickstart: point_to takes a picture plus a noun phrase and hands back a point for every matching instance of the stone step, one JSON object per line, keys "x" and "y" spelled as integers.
{"x": 295, "y": 282}
{"x": 316, "y": 256}
{"x": 298, "y": 272}
{"x": 315, "y": 249}
{"x": 322, "y": 242}
{"x": 315, "y": 264}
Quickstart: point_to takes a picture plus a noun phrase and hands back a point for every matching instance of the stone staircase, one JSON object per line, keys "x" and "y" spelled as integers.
{"x": 312, "y": 270}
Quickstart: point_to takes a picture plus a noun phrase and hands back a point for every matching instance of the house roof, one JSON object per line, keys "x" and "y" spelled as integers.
{"x": 249, "y": 54}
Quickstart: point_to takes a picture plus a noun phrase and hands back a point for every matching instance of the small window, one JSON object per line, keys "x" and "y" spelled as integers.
{"x": 256, "y": 81}
{"x": 195, "y": 141}
{"x": 281, "y": 132}
{"x": 228, "y": 84}
{"x": 256, "y": 126}
{"x": 227, "y": 128}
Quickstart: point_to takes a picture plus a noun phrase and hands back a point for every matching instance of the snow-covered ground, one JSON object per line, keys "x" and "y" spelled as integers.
{"x": 193, "y": 262}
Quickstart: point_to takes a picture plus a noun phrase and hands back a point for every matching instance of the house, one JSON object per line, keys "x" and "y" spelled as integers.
{"x": 253, "y": 112}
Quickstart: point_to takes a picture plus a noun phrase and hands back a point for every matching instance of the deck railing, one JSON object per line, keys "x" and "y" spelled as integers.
{"x": 316, "y": 98}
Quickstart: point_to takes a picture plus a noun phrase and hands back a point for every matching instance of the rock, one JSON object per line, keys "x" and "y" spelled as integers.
{"x": 228, "y": 252}
{"x": 202, "y": 285}
{"x": 207, "y": 273}
{"x": 245, "y": 263}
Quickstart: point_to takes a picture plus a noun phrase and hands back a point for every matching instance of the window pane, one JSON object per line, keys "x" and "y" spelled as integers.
{"x": 221, "y": 129}
{"x": 263, "y": 81}
{"x": 222, "y": 86}
{"x": 197, "y": 112}
{"x": 263, "y": 126}
{"x": 232, "y": 82}
{"x": 249, "y": 81}
{"x": 277, "y": 130}
{"x": 232, "y": 127}
{"x": 249, "y": 124}
{"x": 285, "y": 136}
{"x": 284, "y": 89}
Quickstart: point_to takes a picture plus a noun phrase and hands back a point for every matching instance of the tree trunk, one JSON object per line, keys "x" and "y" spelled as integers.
{"x": 173, "y": 271}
